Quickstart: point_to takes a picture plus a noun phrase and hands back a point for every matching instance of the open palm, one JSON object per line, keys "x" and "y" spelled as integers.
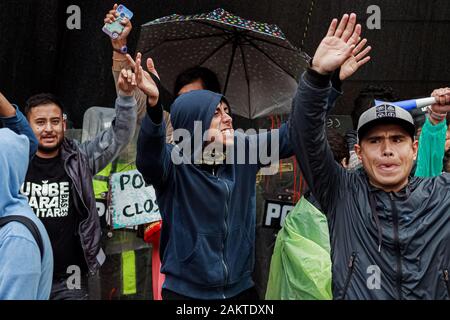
{"x": 357, "y": 59}
{"x": 331, "y": 54}
{"x": 338, "y": 44}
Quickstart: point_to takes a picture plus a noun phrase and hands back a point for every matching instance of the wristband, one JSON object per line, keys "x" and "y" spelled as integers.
{"x": 436, "y": 116}
{"x": 122, "y": 50}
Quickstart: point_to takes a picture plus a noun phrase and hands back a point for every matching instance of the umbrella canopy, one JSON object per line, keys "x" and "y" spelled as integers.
{"x": 256, "y": 66}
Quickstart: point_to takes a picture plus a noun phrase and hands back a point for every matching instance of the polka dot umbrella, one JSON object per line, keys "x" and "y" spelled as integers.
{"x": 255, "y": 63}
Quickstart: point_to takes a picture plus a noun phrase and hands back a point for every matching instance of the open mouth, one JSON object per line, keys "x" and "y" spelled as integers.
{"x": 48, "y": 139}
{"x": 388, "y": 167}
{"x": 227, "y": 132}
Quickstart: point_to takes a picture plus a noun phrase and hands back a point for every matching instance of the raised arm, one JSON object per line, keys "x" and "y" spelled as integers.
{"x": 153, "y": 158}
{"x": 120, "y": 62}
{"x": 108, "y": 144}
{"x": 433, "y": 136}
{"x": 13, "y": 119}
{"x": 357, "y": 59}
{"x": 307, "y": 123}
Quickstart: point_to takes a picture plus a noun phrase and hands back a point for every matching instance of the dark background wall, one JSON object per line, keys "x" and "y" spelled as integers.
{"x": 38, "y": 53}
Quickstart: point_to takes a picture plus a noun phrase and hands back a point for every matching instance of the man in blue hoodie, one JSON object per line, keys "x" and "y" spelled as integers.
{"x": 206, "y": 201}
{"x": 25, "y": 271}
{"x": 208, "y": 206}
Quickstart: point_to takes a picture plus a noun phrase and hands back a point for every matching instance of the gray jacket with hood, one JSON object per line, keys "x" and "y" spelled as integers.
{"x": 384, "y": 245}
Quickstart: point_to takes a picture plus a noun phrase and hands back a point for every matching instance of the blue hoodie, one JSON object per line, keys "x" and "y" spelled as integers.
{"x": 208, "y": 235}
{"x": 23, "y": 274}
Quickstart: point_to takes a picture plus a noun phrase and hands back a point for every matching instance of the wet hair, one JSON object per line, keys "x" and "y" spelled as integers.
{"x": 366, "y": 99}
{"x": 41, "y": 99}
{"x": 338, "y": 145}
{"x": 205, "y": 75}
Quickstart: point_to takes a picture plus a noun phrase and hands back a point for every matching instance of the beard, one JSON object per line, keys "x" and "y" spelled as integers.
{"x": 47, "y": 149}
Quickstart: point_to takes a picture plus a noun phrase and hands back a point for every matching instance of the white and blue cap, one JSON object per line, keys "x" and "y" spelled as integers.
{"x": 385, "y": 113}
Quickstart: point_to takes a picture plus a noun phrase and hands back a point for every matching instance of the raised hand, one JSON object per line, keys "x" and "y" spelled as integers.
{"x": 338, "y": 44}
{"x": 126, "y": 82}
{"x": 144, "y": 80}
{"x": 442, "y": 96}
{"x": 355, "y": 61}
{"x": 112, "y": 16}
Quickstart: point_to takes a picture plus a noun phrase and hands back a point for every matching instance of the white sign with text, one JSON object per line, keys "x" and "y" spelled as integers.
{"x": 133, "y": 202}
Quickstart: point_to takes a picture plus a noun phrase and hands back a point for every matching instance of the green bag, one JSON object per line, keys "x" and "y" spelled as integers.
{"x": 301, "y": 265}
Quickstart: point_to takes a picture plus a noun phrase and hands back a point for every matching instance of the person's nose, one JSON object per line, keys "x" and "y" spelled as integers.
{"x": 48, "y": 127}
{"x": 387, "y": 149}
{"x": 226, "y": 119}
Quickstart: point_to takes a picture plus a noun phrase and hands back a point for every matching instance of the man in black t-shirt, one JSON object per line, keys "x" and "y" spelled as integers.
{"x": 49, "y": 189}
{"x": 59, "y": 185}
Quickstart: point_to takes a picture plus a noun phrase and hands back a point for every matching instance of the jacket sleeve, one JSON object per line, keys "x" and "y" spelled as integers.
{"x": 336, "y": 91}
{"x": 19, "y": 125}
{"x": 431, "y": 149}
{"x": 153, "y": 158}
{"x": 324, "y": 175}
{"x": 107, "y": 145}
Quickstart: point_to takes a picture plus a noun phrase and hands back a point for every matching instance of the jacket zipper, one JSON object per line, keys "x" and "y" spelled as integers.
{"x": 351, "y": 267}
{"x": 447, "y": 283}
{"x": 225, "y": 237}
{"x": 79, "y": 225}
{"x": 397, "y": 248}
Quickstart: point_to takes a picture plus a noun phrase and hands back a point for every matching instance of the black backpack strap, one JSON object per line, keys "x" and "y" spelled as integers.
{"x": 30, "y": 225}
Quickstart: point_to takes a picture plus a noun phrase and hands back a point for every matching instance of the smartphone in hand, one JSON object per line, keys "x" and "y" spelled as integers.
{"x": 115, "y": 29}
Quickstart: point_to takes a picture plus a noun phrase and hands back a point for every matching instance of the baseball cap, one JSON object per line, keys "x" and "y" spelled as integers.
{"x": 385, "y": 113}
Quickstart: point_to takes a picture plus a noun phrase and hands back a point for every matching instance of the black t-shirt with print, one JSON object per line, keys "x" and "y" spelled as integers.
{"x": 48, "y": 188}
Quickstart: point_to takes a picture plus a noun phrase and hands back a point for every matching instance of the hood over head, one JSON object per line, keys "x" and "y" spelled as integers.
{"x": 196, "y": 105}
{"x": 193, "y": 111}
{"x": 14, "y": 155}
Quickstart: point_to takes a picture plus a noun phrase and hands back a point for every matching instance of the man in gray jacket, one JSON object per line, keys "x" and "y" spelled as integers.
{"x": 59, "y": 188}
{"x": 390, "y": 231}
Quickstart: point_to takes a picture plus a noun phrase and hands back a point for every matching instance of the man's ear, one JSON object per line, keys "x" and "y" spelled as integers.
{"x": 358, "y": 151}
{"x": 415, "y": 149}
